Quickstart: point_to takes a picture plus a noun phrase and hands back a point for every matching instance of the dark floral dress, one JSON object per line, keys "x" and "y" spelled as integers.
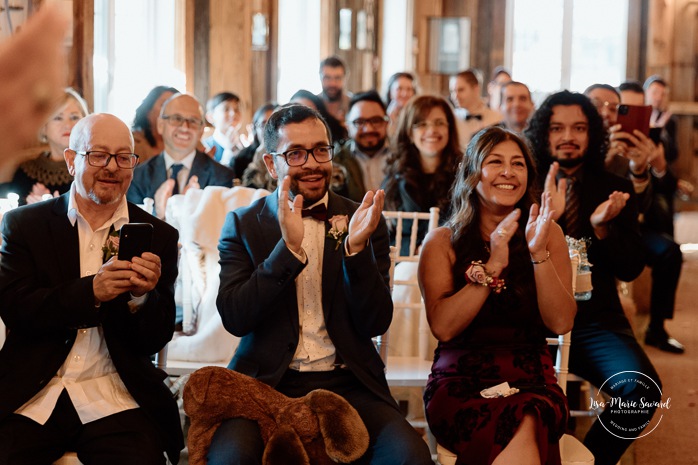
{"x": 505, "y": 342}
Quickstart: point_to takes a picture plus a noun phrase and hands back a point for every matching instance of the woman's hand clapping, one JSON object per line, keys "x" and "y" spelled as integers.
{"x": 538, "y": 227}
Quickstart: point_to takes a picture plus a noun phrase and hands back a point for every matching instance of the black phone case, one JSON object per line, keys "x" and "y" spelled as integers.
{"x": 134, "y": 239}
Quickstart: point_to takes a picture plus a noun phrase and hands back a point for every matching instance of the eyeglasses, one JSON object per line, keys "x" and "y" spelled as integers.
{"x": 600, "y": 105}
{"x": 438, "y": 124}
{"x": 102, "y": 159}
{"x": 298, "y": 157}
{"x": 376, "y": 121}
{"x": 179, "y": 120}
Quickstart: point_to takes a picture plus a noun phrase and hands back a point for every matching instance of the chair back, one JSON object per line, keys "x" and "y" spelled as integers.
{"x": 409, "y": 325}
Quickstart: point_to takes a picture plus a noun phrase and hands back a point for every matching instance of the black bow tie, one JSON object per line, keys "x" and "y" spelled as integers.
{"x": 469, "y": 117}
{"x": 318, "y": 212}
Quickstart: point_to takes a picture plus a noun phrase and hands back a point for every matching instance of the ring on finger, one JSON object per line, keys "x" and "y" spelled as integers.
{"x": 501, "y": 232}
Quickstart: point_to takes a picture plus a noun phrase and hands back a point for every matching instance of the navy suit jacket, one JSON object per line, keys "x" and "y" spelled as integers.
{"x": 257, "y": 295}
{"x": 151, "y": 174}
{"x": 44, "y": 301}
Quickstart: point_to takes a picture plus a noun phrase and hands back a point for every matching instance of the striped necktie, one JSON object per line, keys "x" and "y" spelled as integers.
{"x": 573, "y": 221}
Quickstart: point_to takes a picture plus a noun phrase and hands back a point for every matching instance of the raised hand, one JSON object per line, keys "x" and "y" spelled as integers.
{"x": 499, "y": 242}
{"x": 365, "y": 220}
{"x": 193, "y": 183}
{"x": 163, "y": 193}
{"x": 606, "y": 211}
{"x": 538, "y": 227}
{"x": 291, "y": 218}
{"x": 557, "y": 191}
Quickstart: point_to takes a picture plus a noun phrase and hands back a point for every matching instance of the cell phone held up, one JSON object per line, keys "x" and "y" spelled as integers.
{"x": 134, "y": 239}
{"x": 631, "y": 117}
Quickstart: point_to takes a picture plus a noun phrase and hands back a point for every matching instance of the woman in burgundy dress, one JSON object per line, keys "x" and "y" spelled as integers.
{"x": 495, "y": 279}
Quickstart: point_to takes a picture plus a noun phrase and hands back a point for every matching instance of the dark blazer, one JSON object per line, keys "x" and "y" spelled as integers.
{"x": 151, "y": 174}
{"x": 618, "y": 256}
{"x": 44, "y": 301}
{"x": 257, "y": 295}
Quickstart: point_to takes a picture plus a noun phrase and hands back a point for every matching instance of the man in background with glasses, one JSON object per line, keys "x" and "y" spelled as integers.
{"x": 304, "y": 284}
{"x": 361, "y": 160}
{"x": 180, "y": 166}
{"x": 75, "y": 371}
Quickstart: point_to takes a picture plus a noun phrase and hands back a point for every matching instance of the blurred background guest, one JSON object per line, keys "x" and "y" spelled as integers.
{"x": 423, "y": 161}
{"x": 223, "y": 112}
{"x": 401, "y": 87}
{"x": 255, "y": 173}
{"x": 148, "y": 141}
{"x": 48, "y": 174}
{"x": 307, "y": 98}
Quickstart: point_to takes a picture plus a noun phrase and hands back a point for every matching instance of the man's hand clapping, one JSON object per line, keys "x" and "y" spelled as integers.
{"x": 365, "y": 220}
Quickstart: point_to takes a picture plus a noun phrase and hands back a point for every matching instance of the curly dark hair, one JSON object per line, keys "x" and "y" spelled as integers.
{"x": 538, "y": 129}
{"x": 404, "y": 161}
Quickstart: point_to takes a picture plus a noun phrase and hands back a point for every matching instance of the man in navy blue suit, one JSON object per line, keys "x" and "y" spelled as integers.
{"x": 304, "y": 283}
{"x": 180, "y": 166}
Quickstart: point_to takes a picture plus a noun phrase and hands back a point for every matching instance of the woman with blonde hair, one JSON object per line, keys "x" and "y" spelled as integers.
{"x": 48, "y": 174}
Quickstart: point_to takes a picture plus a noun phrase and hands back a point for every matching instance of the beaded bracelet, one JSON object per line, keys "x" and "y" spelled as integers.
{"x": 478, "y": 274}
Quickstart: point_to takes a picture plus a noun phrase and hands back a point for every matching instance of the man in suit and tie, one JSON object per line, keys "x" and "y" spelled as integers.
{"x": 180, "y": 166}
{"x": 306, "y": 292}
{"x": 75, "y": 371}
{"x": 569, "y": 142}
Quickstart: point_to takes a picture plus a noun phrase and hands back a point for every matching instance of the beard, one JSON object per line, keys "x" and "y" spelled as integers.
{"x": 332, "y": 93}
{"x": 309, "y": 196}
{"x": 568, "y": 162}
{"x": 370, "y": 149}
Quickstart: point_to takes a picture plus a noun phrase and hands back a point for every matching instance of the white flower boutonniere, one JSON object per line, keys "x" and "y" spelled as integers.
{"x": 111, "y": 246}
{"x": 338, "y": 229}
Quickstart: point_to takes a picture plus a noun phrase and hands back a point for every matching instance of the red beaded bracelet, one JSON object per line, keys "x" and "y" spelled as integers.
{"x": 478, "y": 274}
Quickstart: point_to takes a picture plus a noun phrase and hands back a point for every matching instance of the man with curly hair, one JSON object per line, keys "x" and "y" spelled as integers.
{"x": 569, "y": 143}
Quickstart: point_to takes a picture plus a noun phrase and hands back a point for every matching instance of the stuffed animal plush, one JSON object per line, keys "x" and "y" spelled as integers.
{"x": 319, "y": 428}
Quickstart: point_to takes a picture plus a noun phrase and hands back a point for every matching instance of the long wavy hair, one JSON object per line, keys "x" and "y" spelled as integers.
{"x": 538, "y": 131}
{"x": 464, "y": 222}
{"x": 465, "y": 203}
{"x": 404, "y": 161}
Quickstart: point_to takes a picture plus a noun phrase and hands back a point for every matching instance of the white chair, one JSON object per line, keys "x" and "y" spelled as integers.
{"x": 199, "y": 216}
{"x": 408, "y": 345}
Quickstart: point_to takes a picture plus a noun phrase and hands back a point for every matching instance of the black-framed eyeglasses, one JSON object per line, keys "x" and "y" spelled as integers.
{"x": 179, "y": 120}
{"x": 101, "y": 159}
{"x": 376, "y": 121}
{"x": 298, "y": 157}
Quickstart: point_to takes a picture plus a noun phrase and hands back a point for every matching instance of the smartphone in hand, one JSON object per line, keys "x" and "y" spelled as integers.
{"x": 632, "y": 117}
{"x": 134, "y": 239}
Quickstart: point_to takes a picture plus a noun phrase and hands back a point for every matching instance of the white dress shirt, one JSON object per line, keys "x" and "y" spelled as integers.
{"x": 315, "y": 350}
{"x": 88, "y": 374}
{"x": 468, "y": 127}
{"x": 183, "y": 175}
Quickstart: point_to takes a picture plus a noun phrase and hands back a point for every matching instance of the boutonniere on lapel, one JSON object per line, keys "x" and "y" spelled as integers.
{"x": 111, "y": 245}
{"x": 338, "y": 229}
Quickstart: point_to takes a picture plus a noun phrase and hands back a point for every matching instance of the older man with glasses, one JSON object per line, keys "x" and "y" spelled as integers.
{"x": 75, "y": 371}
{"x": 359, "y": 165}
{"x": 180, "y": 166}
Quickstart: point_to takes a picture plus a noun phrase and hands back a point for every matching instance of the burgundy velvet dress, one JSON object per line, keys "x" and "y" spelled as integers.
{"x": 505, "y": 342}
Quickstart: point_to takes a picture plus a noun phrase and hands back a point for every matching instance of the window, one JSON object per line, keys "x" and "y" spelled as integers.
{"x": 567, "y": 44}
{"x": 137, "y": 46}
{"x": 299, "y": 47}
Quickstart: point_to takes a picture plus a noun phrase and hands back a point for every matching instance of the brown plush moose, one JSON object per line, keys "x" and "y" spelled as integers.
{"x": 319, "y": 428}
